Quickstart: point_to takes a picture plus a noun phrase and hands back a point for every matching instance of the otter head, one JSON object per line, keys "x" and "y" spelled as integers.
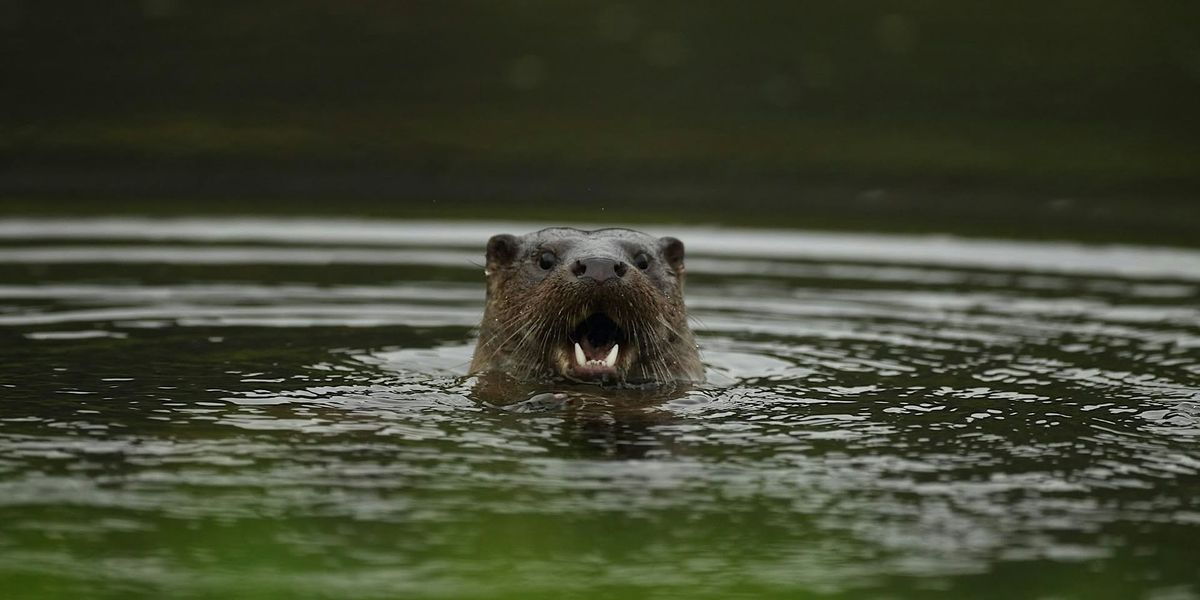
{"x": 604, "y": 305}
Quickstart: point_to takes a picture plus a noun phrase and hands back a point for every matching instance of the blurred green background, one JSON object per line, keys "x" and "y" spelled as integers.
{"x": 1064, "y": 119}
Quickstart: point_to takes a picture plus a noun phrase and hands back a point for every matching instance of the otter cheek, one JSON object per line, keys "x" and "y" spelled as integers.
{"x": 562, "y": 362}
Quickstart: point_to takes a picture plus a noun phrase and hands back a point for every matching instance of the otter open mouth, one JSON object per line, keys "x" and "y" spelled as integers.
{"x": 597, "y": 340}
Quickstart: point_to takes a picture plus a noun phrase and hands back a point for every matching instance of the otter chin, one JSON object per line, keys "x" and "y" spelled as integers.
{"x": 600, "y": 306}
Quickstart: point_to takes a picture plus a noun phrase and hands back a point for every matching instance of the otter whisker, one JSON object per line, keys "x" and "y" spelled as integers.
{"x": 496, "y": 348}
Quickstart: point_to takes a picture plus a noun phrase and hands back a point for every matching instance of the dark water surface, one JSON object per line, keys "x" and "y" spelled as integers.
{"x": 253, "y": 408}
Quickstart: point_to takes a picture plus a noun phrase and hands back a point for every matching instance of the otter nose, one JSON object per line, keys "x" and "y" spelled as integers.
{"x": 598, "y": 269}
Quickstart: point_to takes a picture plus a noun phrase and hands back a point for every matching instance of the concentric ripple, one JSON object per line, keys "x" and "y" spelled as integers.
{"x": 270, "y": 408}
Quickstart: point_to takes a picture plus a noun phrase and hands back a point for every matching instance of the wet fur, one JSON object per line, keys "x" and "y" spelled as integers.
{"x": 530, "y": 313}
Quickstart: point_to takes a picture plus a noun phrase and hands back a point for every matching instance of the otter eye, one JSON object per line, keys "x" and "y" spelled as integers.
{"x": 642, "y": 261}
{"x": 547, "y": 260}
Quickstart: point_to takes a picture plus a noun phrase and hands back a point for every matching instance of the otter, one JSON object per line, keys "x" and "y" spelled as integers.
{"x": 603, "y": 306}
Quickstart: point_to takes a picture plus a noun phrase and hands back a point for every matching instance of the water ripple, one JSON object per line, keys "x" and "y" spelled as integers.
{"x": 281, "y": 406}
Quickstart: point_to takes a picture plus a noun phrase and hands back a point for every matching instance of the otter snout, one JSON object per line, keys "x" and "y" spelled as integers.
{"x": 599, "y": 270}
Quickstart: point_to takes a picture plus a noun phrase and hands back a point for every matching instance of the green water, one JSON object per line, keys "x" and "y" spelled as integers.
{"x": 231, "y": 407}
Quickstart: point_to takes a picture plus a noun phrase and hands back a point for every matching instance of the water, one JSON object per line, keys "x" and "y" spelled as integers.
{"x": 278, "y": 408}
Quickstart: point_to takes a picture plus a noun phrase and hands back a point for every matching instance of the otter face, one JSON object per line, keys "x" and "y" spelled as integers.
{"x": 603, "y": 305}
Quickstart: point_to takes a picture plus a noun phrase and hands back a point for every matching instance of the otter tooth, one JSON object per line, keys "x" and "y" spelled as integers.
{"x": 611, "y": 359}
{"x": 579, "y": 357}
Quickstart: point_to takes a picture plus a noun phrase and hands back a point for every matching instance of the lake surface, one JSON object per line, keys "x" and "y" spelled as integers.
{"x": 279, "y": 408}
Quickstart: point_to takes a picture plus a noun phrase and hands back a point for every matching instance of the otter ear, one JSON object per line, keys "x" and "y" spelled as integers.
{"x": 672, "y": 250}
{"x": 502, "y": 250}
